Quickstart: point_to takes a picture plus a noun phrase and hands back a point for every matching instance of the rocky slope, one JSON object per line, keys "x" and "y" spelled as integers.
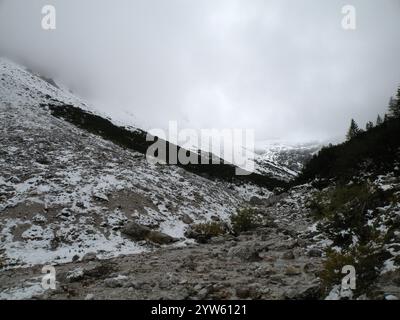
{"x": 65, "y": 192}
{"x": 102, "y": 214}
{"x": 278, "y": 260}
{"x": 75, "y": 195}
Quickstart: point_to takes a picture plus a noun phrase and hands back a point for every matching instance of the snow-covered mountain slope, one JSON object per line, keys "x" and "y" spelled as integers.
{"x": 23, "y": 87}
{"x": 284, "y": 159}
{"x": 65, "y": 192}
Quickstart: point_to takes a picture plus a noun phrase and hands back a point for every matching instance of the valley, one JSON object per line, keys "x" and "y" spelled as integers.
{"x": 77, "y": 193}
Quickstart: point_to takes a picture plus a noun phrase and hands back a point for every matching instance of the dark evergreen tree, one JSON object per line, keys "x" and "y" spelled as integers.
{"x": 354, "y": 130}
{"x": 369, "y": 125}
{"x": 379, "y": 120}
{"x": 394, "y": 105}
{"x": 394, "y": 111}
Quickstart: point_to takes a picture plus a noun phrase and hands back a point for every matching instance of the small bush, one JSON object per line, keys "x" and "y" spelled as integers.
{"x": 203, "y": 232}
{"x": 326, "y": 204}
{"x": 367, "y": 261}
{"x": 245, "y": 220}
{"x": 345, "y": 211}
{"x": 331, "y": 273}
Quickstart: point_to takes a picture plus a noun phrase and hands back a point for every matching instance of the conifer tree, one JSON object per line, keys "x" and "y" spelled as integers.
{"x": 394, "y": 105}
{"x": 369, "y": 125}
{"x": 354, "y": 130}
{"x": 379, "y": 120}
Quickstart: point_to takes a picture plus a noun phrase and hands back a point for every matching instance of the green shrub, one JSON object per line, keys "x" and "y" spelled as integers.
{"x": 211, "y": 229}
{"x": 367, "y": 261}
{"x": 203, "y": 232}
{"x": 326, "y": 204}
{"x": 331, "y": 273}
{"x": 347, "y": 208}
{"x": 245, "y": 220}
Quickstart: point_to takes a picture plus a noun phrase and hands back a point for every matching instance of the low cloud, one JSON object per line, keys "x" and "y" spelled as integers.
{"x": 284, "y": 68}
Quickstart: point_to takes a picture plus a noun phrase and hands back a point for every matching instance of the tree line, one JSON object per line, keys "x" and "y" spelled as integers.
{"x": 393, "y": 112}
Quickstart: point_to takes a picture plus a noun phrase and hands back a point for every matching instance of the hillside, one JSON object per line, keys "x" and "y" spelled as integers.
{"x": 24, "y": 88}
{"x": 357, "y": 209}
{"x": 373, "y": 152}
{"x": 283, "y": 159}
{"x": 77, "y": 192}
{"x": 67, "y": 189}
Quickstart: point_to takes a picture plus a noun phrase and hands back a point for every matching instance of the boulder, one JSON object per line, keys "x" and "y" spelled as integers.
{"x": 139, "y": 232}
{"x": 136, "y": 231}
{"x": 90, "y": 256}
{"x": 310, "y": 292}
{"x": 288, "y": 255}
{"x": 242, "y": 292}
{"x": 314, "y": 252}
{"x": 117, "y": 282}
{"x": 160, "y": 238}
{"x": 292, "y": 271}
{"x": 256, "y": 201}
{"x": 248, "y": 253}
{"x": 186, "y": 219}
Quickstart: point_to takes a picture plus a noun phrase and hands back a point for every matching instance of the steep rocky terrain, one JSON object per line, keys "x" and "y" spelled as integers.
{"x": 65, "y": 192}
{"x": 280, "y": 259}
{"x": 357, "y": 208}
{"x": 72, "y": 198}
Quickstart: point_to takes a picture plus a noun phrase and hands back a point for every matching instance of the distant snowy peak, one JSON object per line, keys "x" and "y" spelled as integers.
{"x": 289, "y": 157}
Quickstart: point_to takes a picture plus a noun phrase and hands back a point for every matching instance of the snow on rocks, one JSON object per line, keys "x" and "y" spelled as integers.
{"x": 65, "y": 192}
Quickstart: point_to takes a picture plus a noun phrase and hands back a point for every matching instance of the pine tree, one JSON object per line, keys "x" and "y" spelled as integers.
{"x": 394, "y": 110}
{"x": 354, "y": 130}
{"x": 369, "y": 125}
{"x": 394, "y": 105}
{"x": 379, "y": 120}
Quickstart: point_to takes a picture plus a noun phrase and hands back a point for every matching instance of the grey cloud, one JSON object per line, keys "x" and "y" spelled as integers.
{"x": 285, "y": 68}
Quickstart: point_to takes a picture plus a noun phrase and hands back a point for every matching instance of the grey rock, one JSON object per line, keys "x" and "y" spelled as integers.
{"x": 135, "y": 231}
{"x": 288, "y": 255}
{"x": 203, "y": 293}
{"x": 256, "y": 201}
{"x": 115, "y": 282}
{"x": 311, "y": 292}
{"x": 90, "y": 256}
{"x": 242, "y": 292}
{"x": 249, "y": 253}
{"x": 15, "y": 179}
{"x": 292, "y": 271}
{"x": 97, "y": 269}
{"x": 186, "y": 219}
{"x": 43, "y": 160}
{"x": 310, "y": 268}
{"x": 160, "y": 238}
{"x": 314, "y": 253}
{"x": 89, "y": 296}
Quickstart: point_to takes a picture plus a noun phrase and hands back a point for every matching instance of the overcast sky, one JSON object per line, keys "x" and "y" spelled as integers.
{"x": 285, "y": 68}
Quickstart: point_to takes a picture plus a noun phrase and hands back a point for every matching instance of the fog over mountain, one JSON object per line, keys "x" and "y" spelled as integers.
{"x": 284, "y": 68}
